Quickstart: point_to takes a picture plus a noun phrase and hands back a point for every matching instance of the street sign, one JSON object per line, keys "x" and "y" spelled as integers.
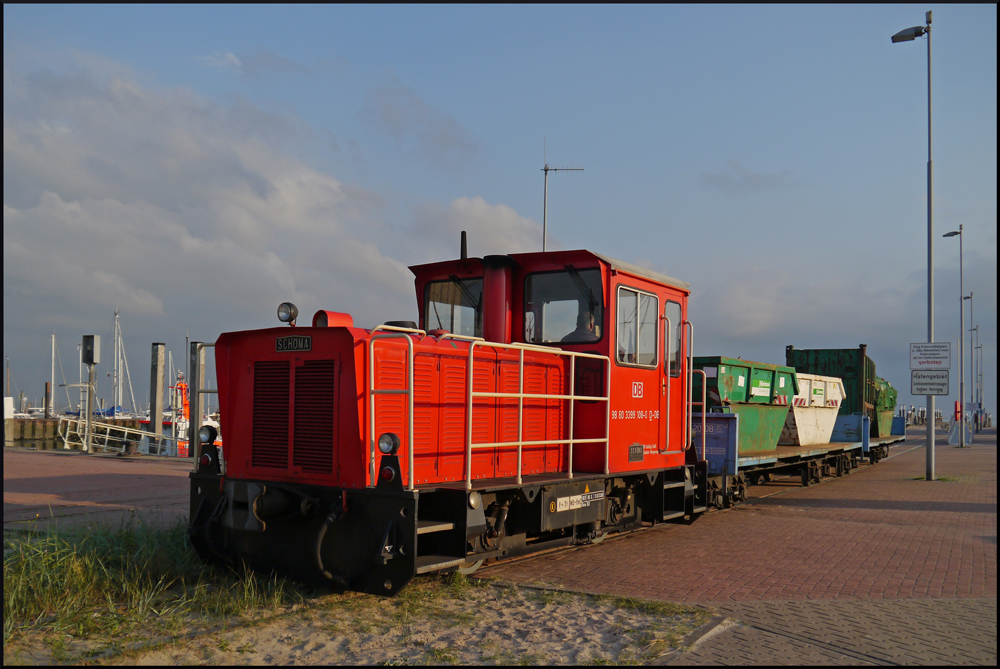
{"x": 936, "y": 355}
{"x": 929, "y": 382}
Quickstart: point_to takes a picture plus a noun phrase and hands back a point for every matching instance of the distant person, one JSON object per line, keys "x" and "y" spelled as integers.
{"x": 584, "y": 329}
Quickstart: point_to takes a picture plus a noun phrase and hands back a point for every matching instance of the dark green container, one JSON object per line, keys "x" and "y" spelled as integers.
{"x": 857, "y": 371}
{"x": 758, "y": 392}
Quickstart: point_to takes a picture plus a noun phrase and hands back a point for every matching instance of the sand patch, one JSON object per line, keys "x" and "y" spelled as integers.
{"x": 432, "y": 623}
{"x": 434, "y": 620}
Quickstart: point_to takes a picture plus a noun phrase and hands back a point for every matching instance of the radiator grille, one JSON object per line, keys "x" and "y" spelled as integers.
{"x": 270, "y": 415}
{"x": 315, "y": 394}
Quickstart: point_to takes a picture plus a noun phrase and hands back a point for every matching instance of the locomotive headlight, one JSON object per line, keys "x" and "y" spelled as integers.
{"x": 287, "y": 312}
{"x": 388, "y": 443}
{"x": 207, "y": 434}
{"x": 475, "y": 500}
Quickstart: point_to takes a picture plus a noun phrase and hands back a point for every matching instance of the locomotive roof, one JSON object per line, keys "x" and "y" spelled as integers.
{"x": 642, "y": 271}
{"x": 614, "y": 263}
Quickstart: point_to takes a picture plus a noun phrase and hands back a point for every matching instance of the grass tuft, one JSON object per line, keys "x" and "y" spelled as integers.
{"x": 113, "y": 579}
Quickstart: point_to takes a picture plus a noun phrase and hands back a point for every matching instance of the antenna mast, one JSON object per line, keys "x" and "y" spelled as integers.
{"x": 545, "y": 201}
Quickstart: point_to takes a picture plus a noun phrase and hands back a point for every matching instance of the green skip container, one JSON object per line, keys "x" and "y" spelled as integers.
{"x": 758, "y": 392}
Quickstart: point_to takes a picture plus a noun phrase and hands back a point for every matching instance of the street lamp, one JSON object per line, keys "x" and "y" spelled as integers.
{"x": 908, "y": 35}
{"x": 972, "y": 320}
{"x": 979, "y": 380}
{"x": 961, "y": 339}
{"x": 976, "y": 370}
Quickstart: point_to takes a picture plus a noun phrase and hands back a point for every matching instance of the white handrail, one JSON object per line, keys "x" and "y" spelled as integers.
{"x": 690, "y": 394}
{"x": 73, "y": 425}
{"x": 396, "y": 333}
{"x": 702, "y": 403}
{"x": 668, "y": 359}
{"x": 395, "y": 328}
{"x": 689, "y": 391}
{"x": 521, "y": 395}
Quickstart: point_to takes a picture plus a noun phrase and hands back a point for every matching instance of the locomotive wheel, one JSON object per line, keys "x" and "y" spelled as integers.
{"x": 597, "y": 540}
{"x": 469, "y": 567}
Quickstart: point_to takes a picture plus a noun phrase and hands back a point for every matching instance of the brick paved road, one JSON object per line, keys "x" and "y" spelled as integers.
{"x": 882, "y": 546}
{"x": 865, "y": 632}
{"x": 58, "y": 487}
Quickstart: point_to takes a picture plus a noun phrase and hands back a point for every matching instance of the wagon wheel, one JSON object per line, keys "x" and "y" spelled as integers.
{"x": 469, "y": 567}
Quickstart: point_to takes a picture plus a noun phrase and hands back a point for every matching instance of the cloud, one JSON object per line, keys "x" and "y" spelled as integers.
{"x": 183, "y": 213}
{"x": 190, "y": 215}
{"x": 222, "y": 61}
{"x": 259, "y": 63}
{"x": 434, "y": 135}
{"x": 493, "y": 229}
{"x": 264, "y": 62}
{"x": 738, "y": 179}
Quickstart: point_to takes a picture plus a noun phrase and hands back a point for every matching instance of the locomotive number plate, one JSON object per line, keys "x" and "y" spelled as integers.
{"x": 289, "y": 344}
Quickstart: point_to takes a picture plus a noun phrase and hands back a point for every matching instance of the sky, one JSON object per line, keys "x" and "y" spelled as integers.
{"x": 194, "y": 166}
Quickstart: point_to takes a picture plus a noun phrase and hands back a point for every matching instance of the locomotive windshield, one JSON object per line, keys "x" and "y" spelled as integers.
{"x": 455, "y": 305}
{"x": 563, "y": 307}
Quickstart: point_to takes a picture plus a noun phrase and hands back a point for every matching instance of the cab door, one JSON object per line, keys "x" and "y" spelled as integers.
{"x": 672, "y": 400}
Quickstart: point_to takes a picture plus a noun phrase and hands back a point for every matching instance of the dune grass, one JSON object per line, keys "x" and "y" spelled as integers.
{"x": 114, "y": 580}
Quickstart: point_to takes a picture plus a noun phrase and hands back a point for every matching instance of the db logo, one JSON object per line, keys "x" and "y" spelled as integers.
{"x": 637, "y": 389}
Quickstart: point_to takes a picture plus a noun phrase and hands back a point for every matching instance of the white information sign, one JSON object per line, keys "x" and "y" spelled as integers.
{"x": 931, "y": 356}
{"x": 929, "y": 382}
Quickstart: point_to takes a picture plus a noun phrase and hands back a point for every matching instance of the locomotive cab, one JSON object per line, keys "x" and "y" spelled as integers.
{"x": 542, "y": 401}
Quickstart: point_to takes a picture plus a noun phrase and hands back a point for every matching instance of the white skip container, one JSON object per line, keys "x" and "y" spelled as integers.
{"x": 814, "y": 411}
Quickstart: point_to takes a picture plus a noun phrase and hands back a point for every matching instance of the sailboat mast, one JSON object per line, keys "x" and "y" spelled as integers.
{"x": 118, "y": 366}
{"x": 52, "y": 386}
{"x": 114, "y": 360}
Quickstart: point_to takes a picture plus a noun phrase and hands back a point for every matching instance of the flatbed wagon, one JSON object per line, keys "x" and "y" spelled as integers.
{"x": 730, "y": 471}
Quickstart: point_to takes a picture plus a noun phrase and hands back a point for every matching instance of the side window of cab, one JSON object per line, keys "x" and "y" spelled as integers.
{"x": 672, "y": 338}
{"x": 638, "y": 313}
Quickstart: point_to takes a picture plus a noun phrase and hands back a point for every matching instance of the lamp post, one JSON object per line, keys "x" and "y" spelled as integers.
{"x": 972, "y": 320}
{"x": 975, "y": 371}
{"x": 909, "y": 35}
{"x": 961, "y": 340}
{"x": 979, "y": 372}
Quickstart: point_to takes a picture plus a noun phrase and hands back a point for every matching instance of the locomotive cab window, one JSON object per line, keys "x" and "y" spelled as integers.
{"x": 636, "y": 335}
{"x": 672, "y": 338}
{"x": 455, "y": 305}
{"x": 563, "y": 307}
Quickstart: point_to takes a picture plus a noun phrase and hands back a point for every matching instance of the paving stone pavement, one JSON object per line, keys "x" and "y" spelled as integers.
{"x": 878, "y": 567}
{"x": 855, "y": 632}
{"x": 64, "y": 488}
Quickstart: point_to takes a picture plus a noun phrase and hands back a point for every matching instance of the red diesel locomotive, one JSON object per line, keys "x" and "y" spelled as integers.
{"x": 543, "y": 401}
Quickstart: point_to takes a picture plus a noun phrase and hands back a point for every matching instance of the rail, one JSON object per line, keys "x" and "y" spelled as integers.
{"x": 688, "y": 438}
{"x": 520, "y": 395}
{"x": 666, "y": 355}
{"x": 68, "y": 427}
{"x": 392, "y": 332}
{"x": 702, "y": 406}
